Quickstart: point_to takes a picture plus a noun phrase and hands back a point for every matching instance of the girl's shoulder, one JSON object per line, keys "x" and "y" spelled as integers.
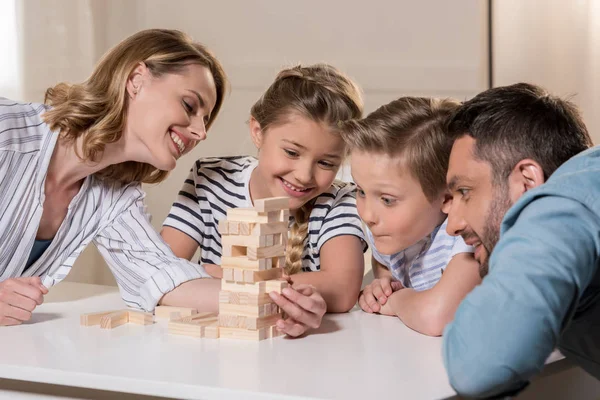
{"x": 226, "y": 165}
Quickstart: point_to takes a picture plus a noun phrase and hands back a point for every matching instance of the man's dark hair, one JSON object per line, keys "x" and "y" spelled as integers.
{"x": 512, "y": 123}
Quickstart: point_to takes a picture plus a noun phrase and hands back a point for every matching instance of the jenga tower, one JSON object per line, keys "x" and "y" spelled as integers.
{"x": 253, "y": 242}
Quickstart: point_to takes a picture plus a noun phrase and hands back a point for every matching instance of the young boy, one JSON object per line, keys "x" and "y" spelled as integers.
{"x": 399, "y": 159}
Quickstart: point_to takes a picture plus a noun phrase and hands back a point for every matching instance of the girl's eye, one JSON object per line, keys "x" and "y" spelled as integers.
{"x": 327, "y": 164}
{"x": 290, "y": 153}
{"x": 360, "y": 192}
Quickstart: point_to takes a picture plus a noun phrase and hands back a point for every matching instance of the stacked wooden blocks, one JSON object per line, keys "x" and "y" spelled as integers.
{"x": 253, "y": 242}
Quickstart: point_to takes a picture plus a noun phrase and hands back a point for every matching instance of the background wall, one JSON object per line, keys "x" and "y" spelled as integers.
{"x": 391, "y": 47}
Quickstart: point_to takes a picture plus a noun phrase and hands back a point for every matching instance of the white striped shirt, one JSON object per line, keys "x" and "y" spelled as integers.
{"x": 108, "y": 213}
{"x": 216, "y": 184}
{"x": 420, "y": 266}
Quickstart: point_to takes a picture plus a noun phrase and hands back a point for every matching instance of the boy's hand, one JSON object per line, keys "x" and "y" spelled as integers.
{"x": 375, "y": 295}
{"x": 18, "y": 298}
{"x": 304, "y": 307}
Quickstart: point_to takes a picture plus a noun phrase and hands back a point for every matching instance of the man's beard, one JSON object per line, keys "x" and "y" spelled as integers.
{"x": 491, "y": 230}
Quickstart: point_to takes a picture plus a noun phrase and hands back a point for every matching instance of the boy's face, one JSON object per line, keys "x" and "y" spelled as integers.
{"x": 391, "y": 202}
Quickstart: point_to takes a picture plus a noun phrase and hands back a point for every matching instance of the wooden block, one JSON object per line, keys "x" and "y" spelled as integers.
{"x": 255, "y": 253}
{"x": 244, "y": 298}
{"x": 257, "y": 276}
{"x": 259, "y": 323}
{"x": 275, "y": 286}
{"x": 269, "y": 240}
{"x": 223, "y": 227}
{"x": 232, "y": 321}
{"x": 228, "y": 274}
{"x": 244, "y": 334}
{"x": 274, "y": 332}
{"x": 212, "y": 331}
{"x": 244, "y": 263}
{"x": 165, "y": 311}
{"x": 252, "y": 288}
{"x": 94, "y": 318}
{"x": 238, "y": 275}
{"x": 228, "y": 250}
{"x": 140, "y": 317}
{"x": 284, "y": 216}
{"x": 203, "y": 318}
{"x": 233, "y": 227}
{"x": 249, "y": 310}
{"x": 272, "y": 204}
{"x": 198, "y": 325}
{"x": 278, "y": 262}
{"x": 246, "y": 228}
{"x": 277, "y": 239}
{"x": 270, "y": 228}
{"x": 113, "y": 320}
{"x": 251, "y": 215}
{"x": 246, "y": 241}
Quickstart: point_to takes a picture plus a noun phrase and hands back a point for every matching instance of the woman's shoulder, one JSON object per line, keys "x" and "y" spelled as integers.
{"x": 22, "y": 128}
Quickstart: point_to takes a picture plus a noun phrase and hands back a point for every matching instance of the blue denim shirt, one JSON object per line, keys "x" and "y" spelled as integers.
{"x": 543, "y": 288}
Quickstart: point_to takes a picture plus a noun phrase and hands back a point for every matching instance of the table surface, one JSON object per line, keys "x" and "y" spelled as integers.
{"x": 352, "y": 355}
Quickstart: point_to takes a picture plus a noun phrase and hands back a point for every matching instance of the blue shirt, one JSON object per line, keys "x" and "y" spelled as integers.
{"x": 542, "y": 291}
{"x": 420, "y": 266}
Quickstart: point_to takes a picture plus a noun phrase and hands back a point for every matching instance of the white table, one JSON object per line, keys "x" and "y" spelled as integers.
{"x": 352, "y": 356}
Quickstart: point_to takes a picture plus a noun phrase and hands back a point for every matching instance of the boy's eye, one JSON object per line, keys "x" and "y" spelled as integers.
{"x": 290, "y": 153}
{"x": 360, "y": 193}
{"x": 388, "y": 201}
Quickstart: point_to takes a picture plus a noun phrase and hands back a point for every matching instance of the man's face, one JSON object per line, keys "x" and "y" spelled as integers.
{"x": 478, "y": 203}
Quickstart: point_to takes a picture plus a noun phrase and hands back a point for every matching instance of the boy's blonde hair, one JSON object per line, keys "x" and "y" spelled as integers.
{"x": 414, "y": 129}
{"x": 97, "y": 108}
{"x": 320, "y": 93}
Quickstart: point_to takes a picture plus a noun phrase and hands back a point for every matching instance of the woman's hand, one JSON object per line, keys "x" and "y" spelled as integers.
{"x": 18, "y": 298}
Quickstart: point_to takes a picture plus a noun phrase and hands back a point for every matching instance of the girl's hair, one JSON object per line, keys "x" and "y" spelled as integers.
{"x": 96, "y": 109}
{"x": 319, "y": 93}
{"x": 413, "y": 129}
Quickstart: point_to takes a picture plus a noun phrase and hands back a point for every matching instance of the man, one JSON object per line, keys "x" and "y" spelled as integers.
{"x": 517, "y": 197}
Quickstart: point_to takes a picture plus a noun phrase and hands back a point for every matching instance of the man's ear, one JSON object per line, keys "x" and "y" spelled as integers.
{"x": 136, "y": 78}
{"x": 256, "y": 132}
{"x": 526, "y": 175}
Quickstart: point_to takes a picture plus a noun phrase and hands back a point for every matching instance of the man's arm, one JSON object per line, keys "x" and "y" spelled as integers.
{"x": 505, "y": 329}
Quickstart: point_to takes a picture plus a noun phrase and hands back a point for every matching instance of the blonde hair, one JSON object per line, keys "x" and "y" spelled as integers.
{"x": 322, "y": 94}
{"x": 96, "y": 109}
{"x": 413, "y": 129}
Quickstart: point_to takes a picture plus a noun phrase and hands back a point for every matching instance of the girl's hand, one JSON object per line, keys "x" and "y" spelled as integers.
{"x": 304, "y": 307}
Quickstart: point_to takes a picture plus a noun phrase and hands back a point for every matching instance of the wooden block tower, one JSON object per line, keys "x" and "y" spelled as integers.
{"x": 253, "y": 242}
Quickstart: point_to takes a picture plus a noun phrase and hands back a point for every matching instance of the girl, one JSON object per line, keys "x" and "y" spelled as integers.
{"x": 293, "y": 126}
{"x": 71, "y": 172}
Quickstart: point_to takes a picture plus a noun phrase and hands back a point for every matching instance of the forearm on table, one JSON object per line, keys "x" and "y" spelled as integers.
{"x": 201, "y": 294}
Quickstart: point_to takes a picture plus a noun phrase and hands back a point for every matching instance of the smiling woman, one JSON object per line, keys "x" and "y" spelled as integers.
{"x": 81, "y": 159}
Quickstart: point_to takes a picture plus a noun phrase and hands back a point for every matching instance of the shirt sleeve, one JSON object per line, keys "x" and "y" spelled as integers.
{"x": 185, "y": 214}
{"x": 342, "y": 219}
{"x": 460, "y": 246}
{"x": 144, "y": 266}
{"x": 506, "y": 328}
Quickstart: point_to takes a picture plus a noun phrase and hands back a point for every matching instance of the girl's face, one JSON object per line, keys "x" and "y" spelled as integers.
{"x": 167, "y": 115}
{"x": 298, "y": 159}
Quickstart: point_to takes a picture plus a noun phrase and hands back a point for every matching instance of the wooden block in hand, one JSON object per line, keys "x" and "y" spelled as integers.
{"x": 272, "y": 204}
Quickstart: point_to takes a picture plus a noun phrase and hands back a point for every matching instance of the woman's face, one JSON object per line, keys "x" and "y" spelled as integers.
{"x": 167, "y": 115}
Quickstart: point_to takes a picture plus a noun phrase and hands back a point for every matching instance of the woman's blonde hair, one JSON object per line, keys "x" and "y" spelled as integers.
{"x": 97, "y": 108}
{"x": 413, "y": 129}
{"x": 322, "y": 94}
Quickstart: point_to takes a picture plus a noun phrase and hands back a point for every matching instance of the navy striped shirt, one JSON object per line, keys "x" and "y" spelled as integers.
{"x": 110, "y": 214}
{"x": 216, "y": 184}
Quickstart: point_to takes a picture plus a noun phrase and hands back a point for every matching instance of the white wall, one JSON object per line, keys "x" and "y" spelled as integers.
{"x": 391, "y": 47}
{"x": 552, "y": 43}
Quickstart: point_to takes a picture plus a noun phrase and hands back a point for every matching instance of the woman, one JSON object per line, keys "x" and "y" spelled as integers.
{"x": 71, "y": 173}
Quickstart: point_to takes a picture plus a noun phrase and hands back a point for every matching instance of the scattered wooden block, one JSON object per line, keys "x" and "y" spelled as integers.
{"x": 272, "y": 204}
{"x": 110, "y": 321}
{"x": 165, "y": 311}
{"x": 140, "y": 317}
{"x": 94, "y": 318}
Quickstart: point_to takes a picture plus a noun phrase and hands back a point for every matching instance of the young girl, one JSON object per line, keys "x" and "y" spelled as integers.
{"x": 399, "y": 159}
{"x": 71, "y": 172}
{"x": 293, "y": 127}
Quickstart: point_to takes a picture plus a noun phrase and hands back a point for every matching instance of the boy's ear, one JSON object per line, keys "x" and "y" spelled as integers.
{"x": 256, "y": 132}
{"x": 446, "y": 202}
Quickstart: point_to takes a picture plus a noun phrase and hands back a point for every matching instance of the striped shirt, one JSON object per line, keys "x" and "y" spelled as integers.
{"x": 420, "y": 266}
{"x": 109, "y": 214}
{"x": 216, "y": 184}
